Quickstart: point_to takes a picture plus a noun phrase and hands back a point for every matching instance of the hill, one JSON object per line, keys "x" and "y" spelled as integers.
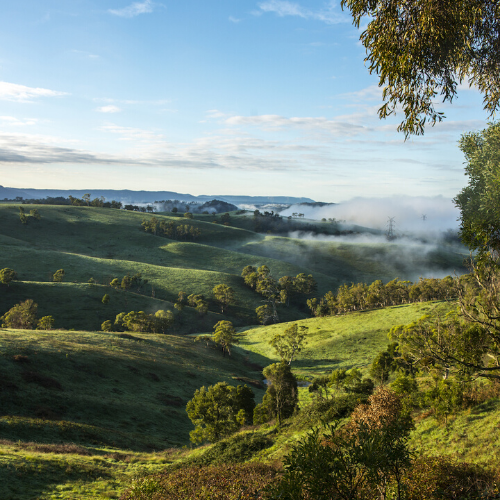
{"x": 102, "y": 244}
{"x": 83, "y": 413}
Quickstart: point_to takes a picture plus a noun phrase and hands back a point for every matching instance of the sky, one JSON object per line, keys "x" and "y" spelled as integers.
{"x": 234, "y": 97}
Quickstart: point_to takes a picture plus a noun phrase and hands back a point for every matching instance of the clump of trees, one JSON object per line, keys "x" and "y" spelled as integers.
{"x": 139, "y": 321}
{"x": 360, "y": 296}
{"x": 24, "y": 316}
{"x": 86, "y": 201}
{"x": 219, "y": 411}
{"x": 281, "y": 291}
{"x": 34, "y": 214}
{"x": 197, "y": 301}
{"x": 170, "y": 229}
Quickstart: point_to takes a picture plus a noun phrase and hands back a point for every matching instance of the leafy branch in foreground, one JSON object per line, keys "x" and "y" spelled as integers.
{"x": 423, "y": 49}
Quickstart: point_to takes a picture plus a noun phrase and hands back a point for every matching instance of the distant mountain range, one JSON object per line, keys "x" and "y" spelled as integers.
{"x": 128, "y": 196}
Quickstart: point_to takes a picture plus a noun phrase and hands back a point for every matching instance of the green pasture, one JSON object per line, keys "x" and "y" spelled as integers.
{"x": 345, "y": 341}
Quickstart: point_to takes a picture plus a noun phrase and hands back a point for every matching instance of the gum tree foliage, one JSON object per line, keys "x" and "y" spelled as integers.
{"x": 422, "y": 49}
{"x": 224, "y": 295}
{"x": 470, "y": 342}
{"x": 479, "y": 201}
{"x": 290, "y": 342}
{"x": 224, "y": 335}
{"x": 22, "y": 315}
{"x": 281, "y": 398}
{"x": 275, "y": 291}
{"x": 219, "y": 411}
{"x": 58, "y": 275}
{"x": 7, "y": 275}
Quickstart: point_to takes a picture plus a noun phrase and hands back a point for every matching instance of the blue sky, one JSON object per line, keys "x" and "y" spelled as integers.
{"x": 208, "y": 97}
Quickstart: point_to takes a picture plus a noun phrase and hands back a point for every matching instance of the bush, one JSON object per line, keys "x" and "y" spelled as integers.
{"x": 236, "y": 482}
{"x": 45, "y": 323}
{"x": 235, "y": 449}
{"x": 440, "y": 478}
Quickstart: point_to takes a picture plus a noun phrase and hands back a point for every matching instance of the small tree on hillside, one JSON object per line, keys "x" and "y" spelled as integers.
{"x": 290, "y": 342}
{"x": 45, "y": 323}
{"x": 224, "y": 335}
{"x": 281, "y": 398}
{"x": 58, "y": 276}
{"x": 224, "y": 295}
{"x": 7, "y": 275}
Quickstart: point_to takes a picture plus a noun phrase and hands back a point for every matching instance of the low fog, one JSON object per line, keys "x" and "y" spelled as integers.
{"x": 411, "y": 214}
{"x": 426, "y": 242}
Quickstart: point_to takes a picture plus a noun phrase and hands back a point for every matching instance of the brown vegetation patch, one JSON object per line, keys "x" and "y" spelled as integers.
{"x": 236, "y": 482}
{"x": 41, "y": 380}
{"x": 62, "y": 449}
{"x": 119, "y": 457}
{"x": 169, "y": 400}
{"x": 440, "y": 478}
{"x": 21, "y": 358}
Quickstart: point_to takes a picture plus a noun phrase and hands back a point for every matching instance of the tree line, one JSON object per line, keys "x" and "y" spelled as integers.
{"x": 170, "y": 229}
{"x": 361, "y": 296}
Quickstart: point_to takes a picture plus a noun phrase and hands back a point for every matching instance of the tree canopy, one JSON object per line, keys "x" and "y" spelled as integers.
{"x": 479, "y": 201}
{"x": 219, "y": 410}
{"x": 422, "y": 50}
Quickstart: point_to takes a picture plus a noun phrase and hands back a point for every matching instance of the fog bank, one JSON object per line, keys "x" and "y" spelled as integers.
{"x": 411, "y": 213}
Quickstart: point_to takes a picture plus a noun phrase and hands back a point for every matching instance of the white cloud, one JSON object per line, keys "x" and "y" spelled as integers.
{"x": 109, "y": 109}
{"x": 21, "y": 93}
{"x": 234, "y": 19}
{"x": 283, "y": 8}
{"x": 134, "y": 9}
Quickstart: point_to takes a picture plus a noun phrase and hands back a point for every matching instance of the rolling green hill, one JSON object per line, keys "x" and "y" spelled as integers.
{"x": 102, "y": 244}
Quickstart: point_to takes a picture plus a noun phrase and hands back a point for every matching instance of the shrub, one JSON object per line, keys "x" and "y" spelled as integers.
{"x": 235, "y": 449}
{"x": 236, "y": 482}
{"x": 58, "y": 275}
{"x": 45, "y": 323}
{"x": 440, "y": 478}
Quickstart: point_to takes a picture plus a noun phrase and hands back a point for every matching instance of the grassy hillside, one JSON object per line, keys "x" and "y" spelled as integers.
{"x": 348, "y": 341}
{"x": 84, "y": 413}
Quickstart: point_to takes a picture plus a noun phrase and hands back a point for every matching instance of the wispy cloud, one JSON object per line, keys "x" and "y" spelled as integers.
{"x": 21, "y": 93}
{"x": 134, "y": 9}
{"x": 234, "y": 19}
{"x": 11, "y": 121}
{"x": 36, "y": 149}
{"x": 340, "y": 128}
{"x": 282, "y": 8}
{"x": 109, "y": 109}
